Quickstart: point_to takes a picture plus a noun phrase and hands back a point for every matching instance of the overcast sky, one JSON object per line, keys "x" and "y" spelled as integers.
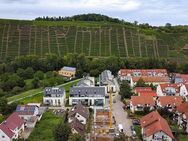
{"x": 154, "y": 12}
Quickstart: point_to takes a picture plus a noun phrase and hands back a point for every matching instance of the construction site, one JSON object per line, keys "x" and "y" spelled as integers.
{"x": 104, "y": 125}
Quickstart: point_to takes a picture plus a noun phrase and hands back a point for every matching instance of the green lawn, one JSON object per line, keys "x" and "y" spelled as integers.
{"x": 33, "y": 99}
{"x": 138, "y": 131}
{"x": 43, "y": 131}
{"x": 182, "y": 137}
{"x": 24, "y": 94}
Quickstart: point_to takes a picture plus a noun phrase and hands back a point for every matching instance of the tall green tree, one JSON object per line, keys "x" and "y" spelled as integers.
{"x": 62, "y": 132}
{"x": 35, "y": 83}
{"x": 141, "y": 83}
{"x": 125, "y": 90}
{"x": 39, "y": 75}
{"x": 76, "y": 137}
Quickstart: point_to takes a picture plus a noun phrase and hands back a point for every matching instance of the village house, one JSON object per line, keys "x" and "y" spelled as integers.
{"x": 155, "y": 80}
{"x": 180, "y": 78}
{"x": 148, "y": 93}
{"x": 90, "y": 96}
{"x": 168, "y": 90}
{"x": 68, "y": 72}
{"x": 169, "y": 102}
{"x": 11, "y": 128}
{"x": 184, "y": 91}
{"x": 137, "y": 90}
{"x": 54, "y": 96}
{"x": 181, "y": 116}
{"x": 127, "y": 74}
{"x": 138, "y": 103}
{"x": 77, "y": 127}
{"x": 80, "y": 112}
{"x": 87, "y": 82}
{"x": 155, "y": 128}
{"x": 27, "y": 112}
{"x": 107, "y": 79}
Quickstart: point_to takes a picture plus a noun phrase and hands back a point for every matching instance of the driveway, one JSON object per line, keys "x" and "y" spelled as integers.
{"x": 121, "y": 116}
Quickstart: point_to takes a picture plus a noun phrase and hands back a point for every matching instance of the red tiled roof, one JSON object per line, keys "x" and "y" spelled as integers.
{"x": 184, "y": 77}
{"x": 140, "y": 100}
{"x": 149, "y": 118}
{"x": 186, "y": 86}
{"x": 144, "y": 72}
{"x": 183, "y": 108}
{"x": 172, "y": 100}
{"x": 148, "y": 93}
{"x": 152, "y": 79}
{"x": 141, "y": 89}
{"x": 153, "y": 123}
{"x": 13, "y": 121}
{"x": 6, "y": 130}
{"x": 175, "y": 86}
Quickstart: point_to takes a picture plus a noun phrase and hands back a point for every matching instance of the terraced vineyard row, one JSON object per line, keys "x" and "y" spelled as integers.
{"x": 16, "y": 40}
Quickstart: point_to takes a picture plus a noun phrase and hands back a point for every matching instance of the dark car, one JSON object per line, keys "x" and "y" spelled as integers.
{"x": 132, "y": 128}
{"x": 136, "y": 122}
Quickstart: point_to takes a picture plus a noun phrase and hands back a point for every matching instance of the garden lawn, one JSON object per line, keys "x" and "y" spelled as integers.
{"x": 182, "y": 137}
{"x": 43, "y": 130}
{"x": 33, "y": 99}
{"x": 24, "y": 94}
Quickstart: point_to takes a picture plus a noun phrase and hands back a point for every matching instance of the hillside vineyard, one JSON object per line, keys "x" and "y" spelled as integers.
{"x": 101, "y": 41}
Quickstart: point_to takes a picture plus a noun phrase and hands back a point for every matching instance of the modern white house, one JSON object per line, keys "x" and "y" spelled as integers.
{"x": 155, "y": 128}
{"x": 90, "y": 96}
{"x": 54, "y": 96}
{"x": 184, "y": 91}
{"x": 86, "y": 82}
{"x": 109, "y": 81}
{"x": 80, "y": 112}
{"x": 168, "y": 90}
{"x": 11, "y": 128}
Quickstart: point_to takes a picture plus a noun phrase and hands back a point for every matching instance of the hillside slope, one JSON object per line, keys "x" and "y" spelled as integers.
{"x": 94, "y": 39}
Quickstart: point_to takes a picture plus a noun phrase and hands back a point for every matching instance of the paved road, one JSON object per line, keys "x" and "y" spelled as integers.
{"x": 121, "y": 116}
{"x": 40, "y": 92}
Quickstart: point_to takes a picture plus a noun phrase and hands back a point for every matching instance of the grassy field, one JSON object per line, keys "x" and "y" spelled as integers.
{"x": 44, "y": 129}
{"x": 94, "y": 39}
{"x": 24, "y": 94}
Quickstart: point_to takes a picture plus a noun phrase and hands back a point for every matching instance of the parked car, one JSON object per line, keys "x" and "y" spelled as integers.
{"x": 136, "y": 122}
{"x": 132, "y": 128}
{"x": 133, "y": 131}
{"x": 114, "y": 101}
{"x": 120, "y": 128}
